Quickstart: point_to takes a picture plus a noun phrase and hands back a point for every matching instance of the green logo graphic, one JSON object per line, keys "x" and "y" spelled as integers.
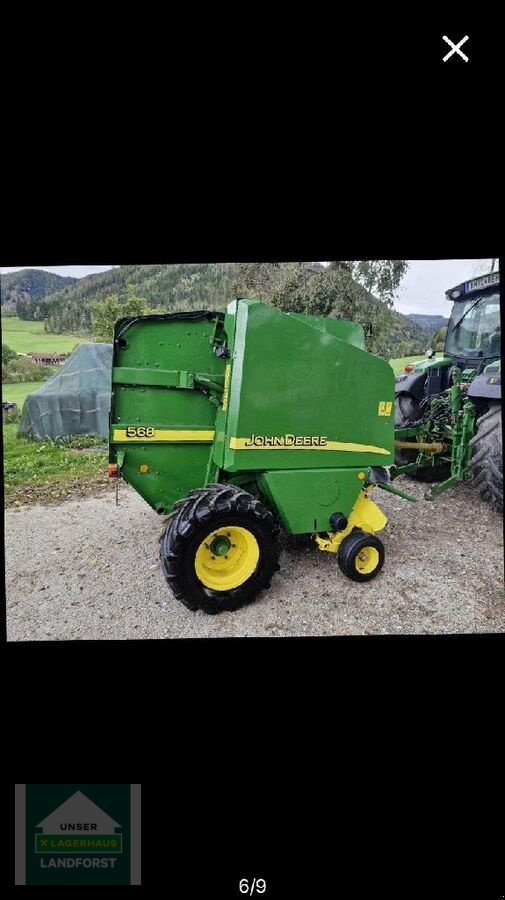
{"x": 78, "y": 834}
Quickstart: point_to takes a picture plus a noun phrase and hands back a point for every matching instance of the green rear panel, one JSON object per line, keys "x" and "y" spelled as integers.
{"x": 153, "y": 346}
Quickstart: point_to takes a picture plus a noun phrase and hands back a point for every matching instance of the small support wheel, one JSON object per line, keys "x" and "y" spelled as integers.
{"x": 361, "y": 556}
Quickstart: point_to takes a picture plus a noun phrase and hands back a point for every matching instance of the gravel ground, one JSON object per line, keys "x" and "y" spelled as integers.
{"x": 86, "y": 570}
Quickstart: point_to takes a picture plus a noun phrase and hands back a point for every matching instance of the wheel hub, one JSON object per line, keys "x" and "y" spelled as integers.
{"x": 227, "y": 558}
{"x": 367, "y": 560}
{"x": 220, "y": 545}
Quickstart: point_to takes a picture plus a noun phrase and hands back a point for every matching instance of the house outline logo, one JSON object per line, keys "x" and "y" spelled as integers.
{"x": 78, "y": 825}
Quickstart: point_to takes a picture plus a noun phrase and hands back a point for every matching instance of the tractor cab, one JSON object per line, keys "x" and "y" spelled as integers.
{"x": 452, "y": 406}
{"x": 472, "y": 344}
{"x": 473, "y": 334}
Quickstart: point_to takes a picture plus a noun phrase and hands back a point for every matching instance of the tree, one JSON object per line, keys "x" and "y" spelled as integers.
{"x": 22, "y": 369}
{"x": 438, "y": 339}
{"x": 381, "y": 277}
{"x": 7, "y": 354}
{"x": 24, "y": 308}
{"x": 107, "y": 312}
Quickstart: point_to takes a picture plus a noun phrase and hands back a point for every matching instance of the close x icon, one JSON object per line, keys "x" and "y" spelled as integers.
{"x": 455, "y": 50}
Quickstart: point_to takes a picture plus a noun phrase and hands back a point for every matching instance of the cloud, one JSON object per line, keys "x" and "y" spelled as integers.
{"x": 424, "y": 286}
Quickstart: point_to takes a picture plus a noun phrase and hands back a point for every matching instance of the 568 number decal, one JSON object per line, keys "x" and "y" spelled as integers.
{"x": 141, "y": 431}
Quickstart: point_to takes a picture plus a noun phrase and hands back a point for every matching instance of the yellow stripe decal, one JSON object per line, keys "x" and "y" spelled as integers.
{"x": 245, "y": 444}
{"x": 160, "y": 434}
{"x": 226, "y": 391}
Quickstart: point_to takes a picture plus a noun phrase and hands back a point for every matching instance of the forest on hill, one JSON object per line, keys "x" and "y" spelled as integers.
{"x": 173, "y": 287}
{"x": 429, "y": 323}
{"x": 21, "y": 291}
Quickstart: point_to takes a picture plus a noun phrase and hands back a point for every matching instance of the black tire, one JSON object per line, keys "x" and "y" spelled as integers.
{"x": 204, "y": 511}
{"x": 406, "y": 413}
{"x": 486, "y": 463}
{"x": 349, "y": 555}
{"x": 178, "y": 503}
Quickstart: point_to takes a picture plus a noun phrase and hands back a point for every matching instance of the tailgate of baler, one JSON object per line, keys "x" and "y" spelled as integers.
{"x": 166, "y": 383}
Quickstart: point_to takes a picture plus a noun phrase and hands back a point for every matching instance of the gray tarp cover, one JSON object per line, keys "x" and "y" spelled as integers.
{"x": 75, "y": 400}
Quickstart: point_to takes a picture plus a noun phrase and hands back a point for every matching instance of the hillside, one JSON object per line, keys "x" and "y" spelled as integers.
{"x": 176, "y": 287}
{"x": 429, "y": 323}
{"x": 405, "y": 336}
{"x": 20, "y": 291}
{"x": 173, "y": 287}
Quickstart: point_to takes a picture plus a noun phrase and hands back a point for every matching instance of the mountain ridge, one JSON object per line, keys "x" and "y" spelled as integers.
{"x": 430, "y": 322}
{"x": 30, "y": 285}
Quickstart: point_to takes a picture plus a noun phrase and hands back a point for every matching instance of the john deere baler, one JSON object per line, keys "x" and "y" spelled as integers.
{"x": 235, "y": 424}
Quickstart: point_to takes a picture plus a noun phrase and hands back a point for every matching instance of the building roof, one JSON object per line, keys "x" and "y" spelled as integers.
{"x": 47, "y": 355}
{"x": 78, "y": 808}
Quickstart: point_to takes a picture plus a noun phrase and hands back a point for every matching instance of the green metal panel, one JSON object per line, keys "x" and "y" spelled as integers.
{"x": 300, "y": 397}
{"x": 174, "y": 470}
{"x": 305, "y": 499}
{"x": 350, "y": 332}
{"x": 153, "y": 358}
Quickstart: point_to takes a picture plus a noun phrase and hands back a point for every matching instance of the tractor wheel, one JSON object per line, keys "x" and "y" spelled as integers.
{"x": 361, "y": 556}
{"x": 486, "y": 464}
{"x": 407, "y": 412}
{"x": 219, "y": 550}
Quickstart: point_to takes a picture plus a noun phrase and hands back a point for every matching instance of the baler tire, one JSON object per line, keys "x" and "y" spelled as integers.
{"x": 178, "y": 503}
{"x": 406, "y": 413}
{"x": 206, "y": 511}
{"x": 486, "y": 465}
{"x": 358, "y": 543}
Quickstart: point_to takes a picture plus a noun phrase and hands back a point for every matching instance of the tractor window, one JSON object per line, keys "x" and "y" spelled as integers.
{"x": 474, "y": 328}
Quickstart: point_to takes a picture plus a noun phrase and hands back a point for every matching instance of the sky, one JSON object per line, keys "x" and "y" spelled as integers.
{"x": 422, "y": 290}
{"x": 424, "y": 286}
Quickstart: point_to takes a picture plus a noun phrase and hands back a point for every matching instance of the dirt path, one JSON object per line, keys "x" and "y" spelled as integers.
{"x": 85, "y": 569}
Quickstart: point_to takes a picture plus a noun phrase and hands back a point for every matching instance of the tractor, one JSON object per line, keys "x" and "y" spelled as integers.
{"x": 448, "y": 410}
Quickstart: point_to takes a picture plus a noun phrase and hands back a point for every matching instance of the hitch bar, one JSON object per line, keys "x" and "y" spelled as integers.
{"x": 392, "y": 490}
{"x": 426, "y": 448}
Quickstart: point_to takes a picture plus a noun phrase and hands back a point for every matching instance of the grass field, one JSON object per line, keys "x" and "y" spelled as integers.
{"x": 46, "y": 469}
{"x": 30, "y": 337}
{"x": 17, "y": 393}
{"x": 42, "y": 471}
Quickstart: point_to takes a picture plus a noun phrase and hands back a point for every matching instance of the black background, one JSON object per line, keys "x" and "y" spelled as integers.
{"x": 340, "y": 766}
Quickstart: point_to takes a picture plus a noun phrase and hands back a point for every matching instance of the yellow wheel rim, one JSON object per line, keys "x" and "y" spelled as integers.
{"x": 367, "y": 560}
{"x": 226, "y": 558}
